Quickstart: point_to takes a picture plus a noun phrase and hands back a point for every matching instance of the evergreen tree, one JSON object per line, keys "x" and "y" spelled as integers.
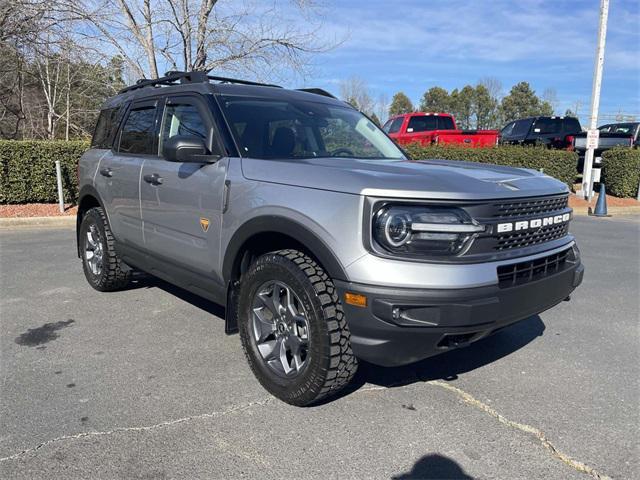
{"x": 400, "y": 104}
{"x": 436, "y": 100}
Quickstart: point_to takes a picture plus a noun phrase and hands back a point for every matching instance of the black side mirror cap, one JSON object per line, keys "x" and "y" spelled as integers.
{"x": 187, "y": 148}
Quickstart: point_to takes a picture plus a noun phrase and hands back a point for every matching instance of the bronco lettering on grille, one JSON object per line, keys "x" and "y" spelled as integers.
{"x": 534, "y": 223}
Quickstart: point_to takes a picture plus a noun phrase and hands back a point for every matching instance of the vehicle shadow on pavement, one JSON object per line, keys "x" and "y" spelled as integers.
{"x": 434, "y": 467}
{"x": 142, "y": 280}
{"x": 448, "y": 366}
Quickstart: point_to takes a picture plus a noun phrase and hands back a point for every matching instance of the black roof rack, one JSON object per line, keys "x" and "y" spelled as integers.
{"x": 174, "y": 77}
{"x": 317, "y": 91}
{"x": 170, "y": 78}
{"x": 241, "y": 82}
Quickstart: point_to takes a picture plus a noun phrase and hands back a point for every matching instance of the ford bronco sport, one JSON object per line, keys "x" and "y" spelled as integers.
{"x": 323, "y": 241}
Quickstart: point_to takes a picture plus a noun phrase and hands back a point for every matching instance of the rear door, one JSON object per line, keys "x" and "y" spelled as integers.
{"x": 117, "y": 179}
{"x": 182, "y": 202}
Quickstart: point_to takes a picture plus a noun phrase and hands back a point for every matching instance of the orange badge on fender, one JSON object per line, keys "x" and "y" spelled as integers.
{"x": 204, "y": 223}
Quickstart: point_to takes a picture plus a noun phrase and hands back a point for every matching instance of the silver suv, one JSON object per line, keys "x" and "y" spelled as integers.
{"x": 324, "y": 242}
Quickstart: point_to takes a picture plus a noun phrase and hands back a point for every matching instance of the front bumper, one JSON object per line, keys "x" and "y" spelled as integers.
{"x": 404, "y": 325}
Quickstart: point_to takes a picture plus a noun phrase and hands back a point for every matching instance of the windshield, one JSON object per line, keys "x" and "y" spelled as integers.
{"x": 289, "y": 129}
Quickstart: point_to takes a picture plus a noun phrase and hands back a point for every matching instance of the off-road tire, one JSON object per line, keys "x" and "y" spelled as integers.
{"x": 115, "y": 273}
{"x": 331, "y": 362}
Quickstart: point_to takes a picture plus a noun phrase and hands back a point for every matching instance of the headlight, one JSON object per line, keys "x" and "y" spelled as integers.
{"x": 424, "y": 230}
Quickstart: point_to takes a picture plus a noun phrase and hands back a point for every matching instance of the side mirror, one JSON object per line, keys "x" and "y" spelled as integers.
{"x": 187, "y": 148}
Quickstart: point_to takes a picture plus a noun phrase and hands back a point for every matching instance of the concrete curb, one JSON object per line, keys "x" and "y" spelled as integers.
{"x": 31, "y": 222}
{"x": 635, "y": 209}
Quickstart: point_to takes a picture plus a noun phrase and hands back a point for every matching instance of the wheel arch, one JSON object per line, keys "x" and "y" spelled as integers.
{"x": 265, "y": 234}
{"x": 88, "y": 198}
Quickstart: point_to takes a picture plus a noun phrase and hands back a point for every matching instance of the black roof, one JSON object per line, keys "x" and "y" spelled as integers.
{"x": 200, "y": 82}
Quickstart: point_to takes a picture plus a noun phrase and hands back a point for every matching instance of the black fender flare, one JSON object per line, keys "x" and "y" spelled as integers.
{"x": 285, "y": 226}
{"x": 86, "y": 191}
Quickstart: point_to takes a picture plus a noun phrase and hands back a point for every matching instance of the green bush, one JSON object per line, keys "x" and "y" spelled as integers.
{"x": 28, "y": 171}
{"x": 560, "y": 164}
{"x": 621, "y": 171}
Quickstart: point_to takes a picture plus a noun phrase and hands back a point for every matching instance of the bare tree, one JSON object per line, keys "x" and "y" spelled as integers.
{"x": 550, "y": 95}
{"x": 356, "y": 91}
{"x": 200, "y": 34}
{"x": 382, "y": 107}
{"x": 494, "y": 87}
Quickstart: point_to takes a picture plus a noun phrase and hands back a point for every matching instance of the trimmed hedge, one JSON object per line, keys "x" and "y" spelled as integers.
{"x": 28, "y": 175}
{"x": 28, "y": 170}
{"x": 621, "y": 171}
{"x": 560, "y": 164}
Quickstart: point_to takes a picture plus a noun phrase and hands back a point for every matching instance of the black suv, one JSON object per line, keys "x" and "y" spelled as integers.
{"x": 553, "y": 132}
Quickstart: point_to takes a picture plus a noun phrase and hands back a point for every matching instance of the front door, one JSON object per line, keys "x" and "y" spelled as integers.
{"x": 182, "y": 202}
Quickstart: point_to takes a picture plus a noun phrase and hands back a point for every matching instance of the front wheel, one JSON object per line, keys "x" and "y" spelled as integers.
{"x": 293, "y": 329}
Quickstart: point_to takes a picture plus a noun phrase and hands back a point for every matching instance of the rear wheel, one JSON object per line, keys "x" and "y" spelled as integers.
{"x": 293, "y": 330}
{"x": 104, "y": 270}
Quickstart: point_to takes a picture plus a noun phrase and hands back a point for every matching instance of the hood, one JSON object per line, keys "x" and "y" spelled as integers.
{"x": 434, "y": 179}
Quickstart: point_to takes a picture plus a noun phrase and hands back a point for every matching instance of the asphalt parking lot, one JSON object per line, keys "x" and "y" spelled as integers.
{"x": 144, "y": 384}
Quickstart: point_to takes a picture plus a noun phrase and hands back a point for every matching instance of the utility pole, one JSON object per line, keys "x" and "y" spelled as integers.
{"x": 592, "y": 133}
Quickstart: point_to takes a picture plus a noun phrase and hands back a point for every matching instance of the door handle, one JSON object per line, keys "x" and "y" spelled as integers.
{"x": 153, "y": 179}
{"x": 106, "y": 172}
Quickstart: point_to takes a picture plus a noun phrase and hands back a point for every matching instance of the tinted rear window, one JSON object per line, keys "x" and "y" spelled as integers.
{"x": 445, "y": 123}
{"x": 572, "y": 125}
{"x": 547, "y": 125}
{"x": 105, "y": 127}
{"x": 422, "y": 124}
{"x": 138, "y": 131}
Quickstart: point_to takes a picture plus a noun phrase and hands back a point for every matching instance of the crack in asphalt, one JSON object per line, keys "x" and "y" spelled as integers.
{"x": 168, "y": 423}
{"x": 536, "y": 432}
{"x": 466, "y": 397}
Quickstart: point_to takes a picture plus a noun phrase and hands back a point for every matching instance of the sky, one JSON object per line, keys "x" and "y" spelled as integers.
{"x": 413, "y": 45}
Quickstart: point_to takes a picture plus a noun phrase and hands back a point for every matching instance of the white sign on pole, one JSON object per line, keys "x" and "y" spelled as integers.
{"x": 592, "y": 138}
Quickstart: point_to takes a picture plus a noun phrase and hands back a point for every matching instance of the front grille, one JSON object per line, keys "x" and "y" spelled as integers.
{"x": 530, "y": 237}
{"x": 524, "y": 272}
{"x": 502, "y": 244}
{"x": 525, "y": 208}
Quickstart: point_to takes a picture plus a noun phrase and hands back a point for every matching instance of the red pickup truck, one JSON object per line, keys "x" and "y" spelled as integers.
{"x": 435, "y": 128}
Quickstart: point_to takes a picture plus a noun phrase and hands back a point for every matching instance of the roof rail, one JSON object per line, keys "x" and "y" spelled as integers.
{"x": 241, "y": 82}
{"x": 317, "y": 91}
{"x": 172, "y": 77}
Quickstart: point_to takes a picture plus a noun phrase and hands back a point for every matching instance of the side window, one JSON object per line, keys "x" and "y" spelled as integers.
{"x": 393, "y": 126}
{"x": 521, "y": 128}
{"x": 105, "y": 127}
{"x": 508, "y": 130}
{"x": 422, "y": 124}
{"x": 184, "y": 119}
{"x": 137, "y": 134}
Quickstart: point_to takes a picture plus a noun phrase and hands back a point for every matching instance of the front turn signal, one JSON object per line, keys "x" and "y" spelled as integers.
{"x": 355, "y": 299}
